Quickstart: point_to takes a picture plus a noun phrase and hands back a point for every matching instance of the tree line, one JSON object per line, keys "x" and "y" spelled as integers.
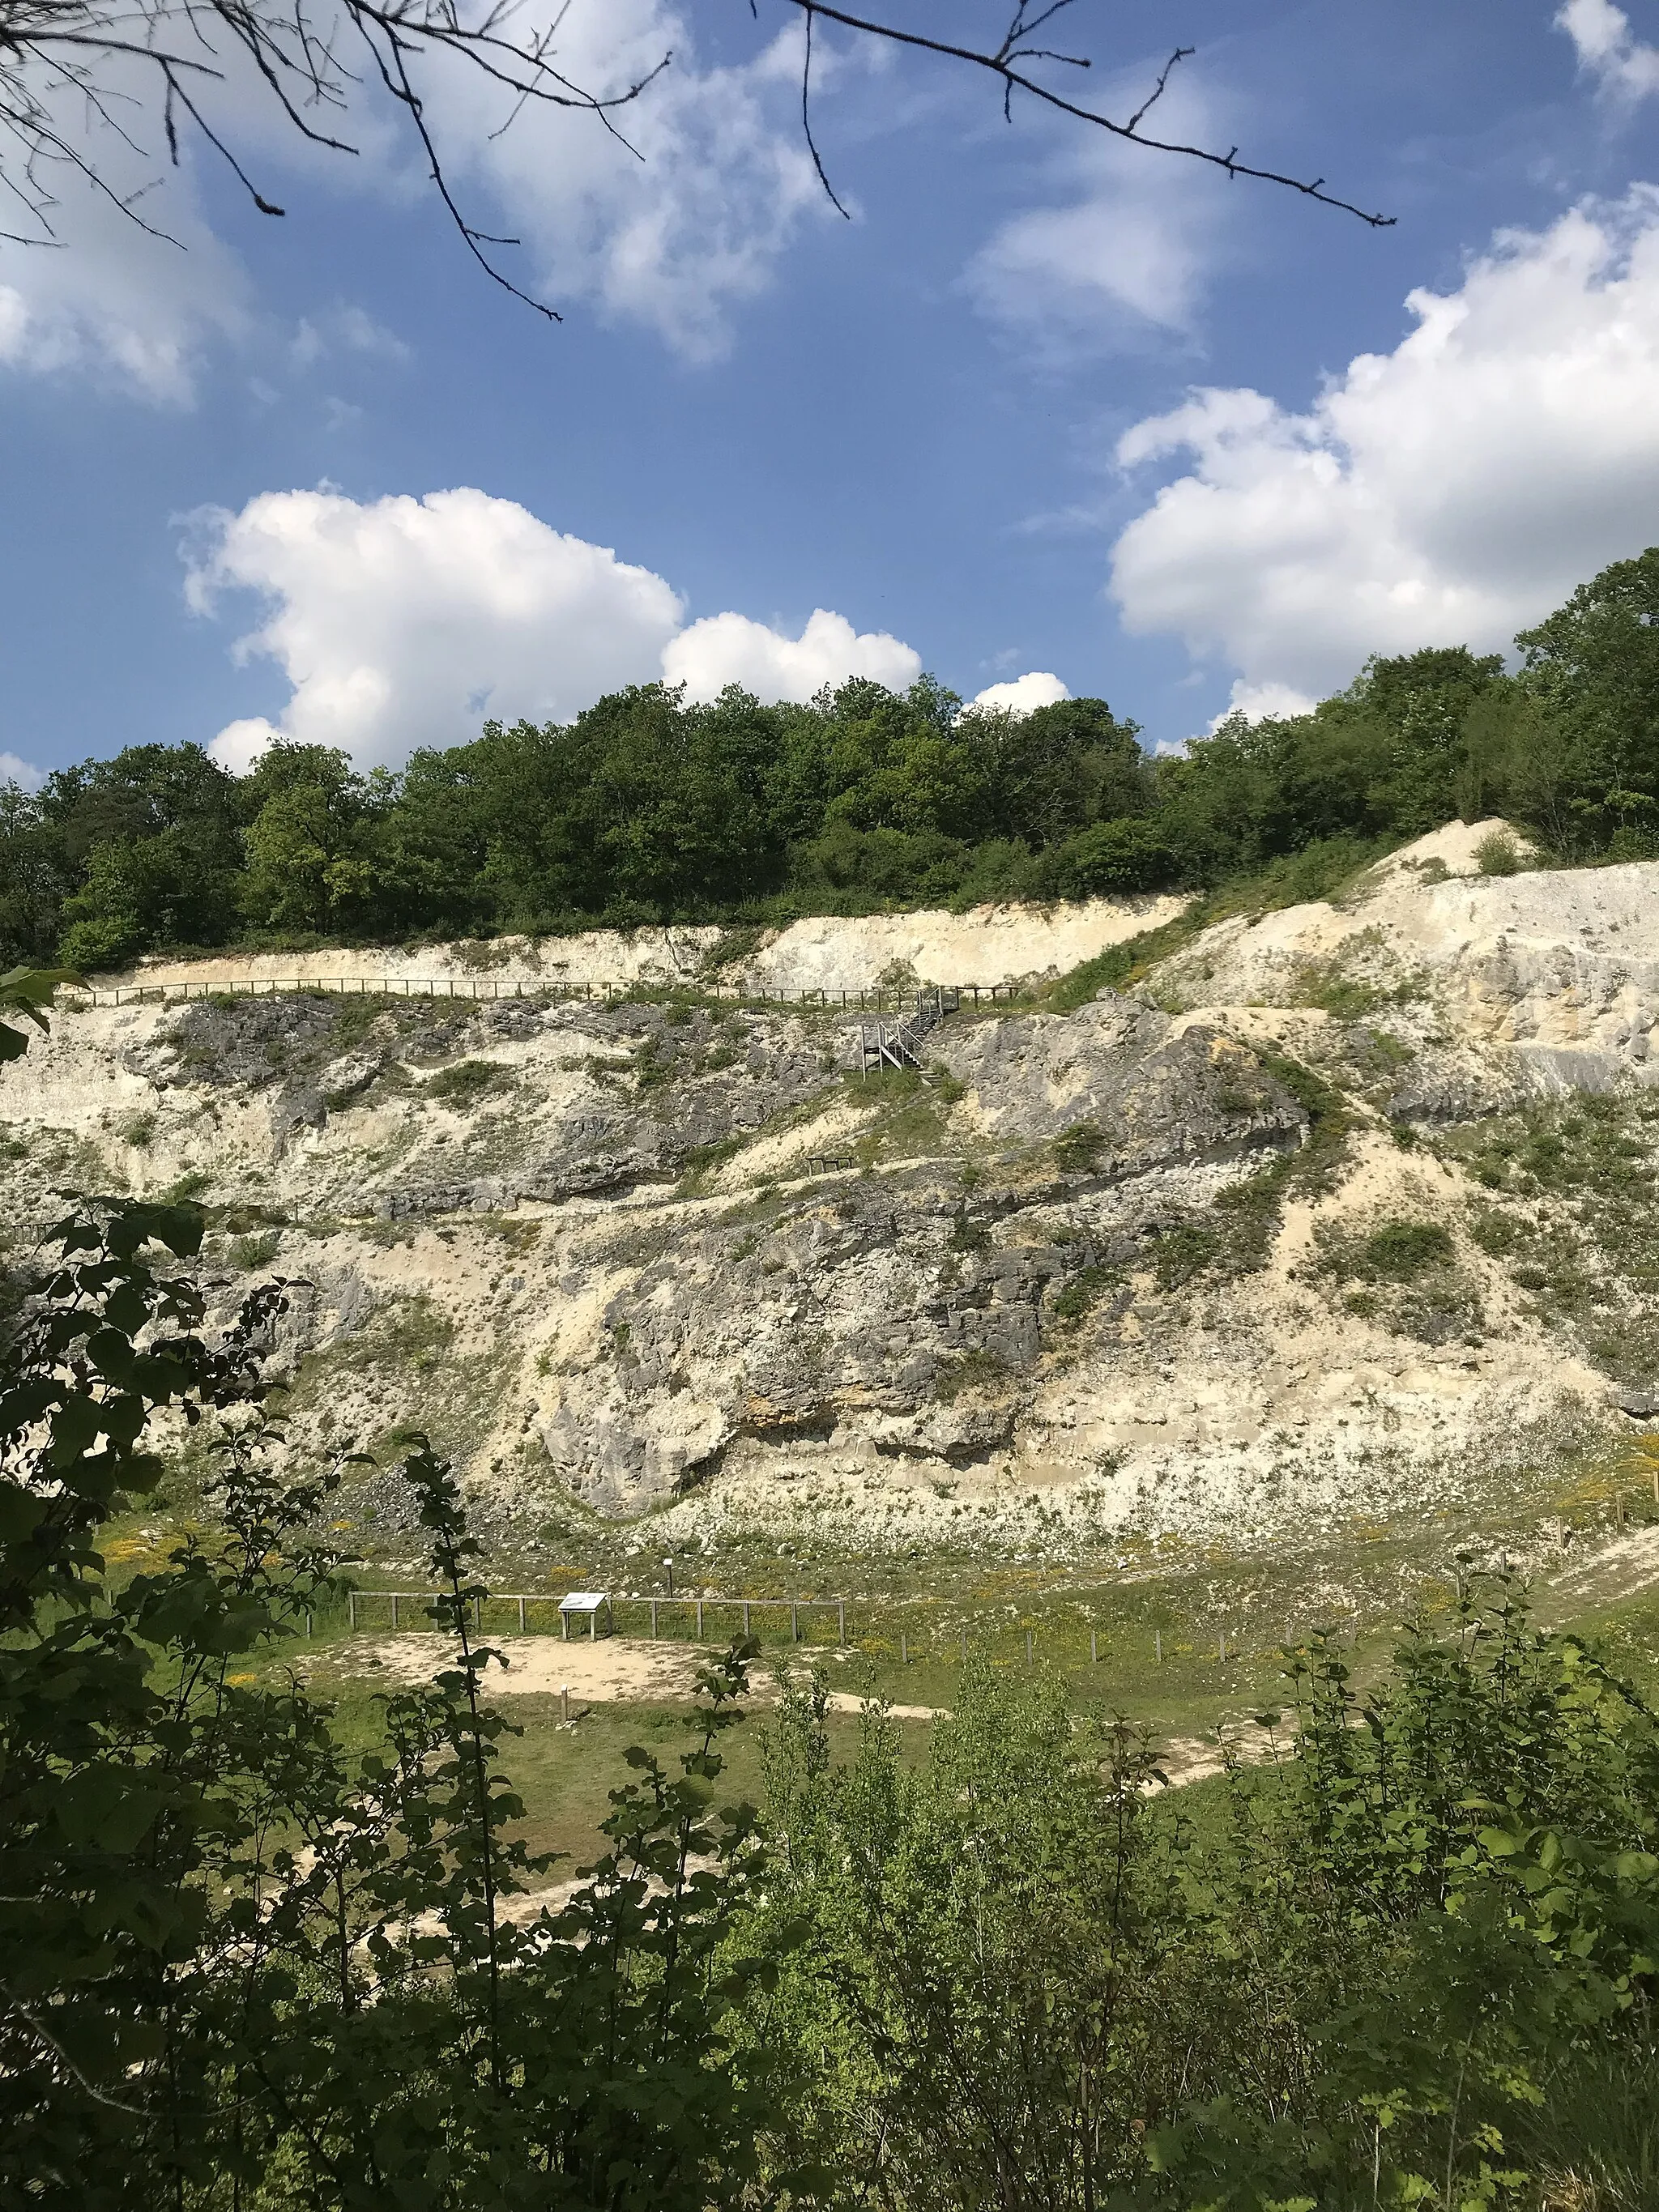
{"x": 648, "y": 808}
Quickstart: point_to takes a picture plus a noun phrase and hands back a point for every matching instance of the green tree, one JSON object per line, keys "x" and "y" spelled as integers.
{"x": 1593, "y": 669}
{"x": 150, "y": 849}
{"x": 311, "y": 863}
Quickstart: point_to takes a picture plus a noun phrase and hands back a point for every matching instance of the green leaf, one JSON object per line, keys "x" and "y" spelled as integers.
{"x": 106, "y": 1806}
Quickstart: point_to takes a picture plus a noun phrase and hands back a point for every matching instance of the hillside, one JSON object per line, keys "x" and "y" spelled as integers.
{"x": 1335, "y": 1214}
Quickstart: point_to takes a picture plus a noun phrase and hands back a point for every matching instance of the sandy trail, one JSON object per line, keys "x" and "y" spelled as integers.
{"x": 615, "y": 1670}
{"x": 1621, "y": 1568}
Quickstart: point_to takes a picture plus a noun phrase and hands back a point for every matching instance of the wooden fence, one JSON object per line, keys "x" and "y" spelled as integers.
{"x": 688, "y": 1609}
{"x": 666, "y": 1615}
{"x": 489, "y": 988}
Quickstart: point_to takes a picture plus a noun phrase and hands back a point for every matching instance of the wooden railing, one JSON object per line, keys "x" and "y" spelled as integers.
{"x": 489, "y": 988}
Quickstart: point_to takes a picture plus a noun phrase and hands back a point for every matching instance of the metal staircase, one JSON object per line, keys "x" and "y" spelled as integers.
{"x": 898, "y": 1044}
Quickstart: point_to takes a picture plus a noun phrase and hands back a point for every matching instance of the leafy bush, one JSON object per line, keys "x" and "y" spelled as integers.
{"x": 1129, "y": 854}
{"x": 1399, "y": 1251}
{"x": 1362, "y": 1977}
{"x": 1076, "y": 1300}
{"x": 1078, "y": 1150}
{"x": 1498, "y": 854}
{"x": 467, "y": 1082}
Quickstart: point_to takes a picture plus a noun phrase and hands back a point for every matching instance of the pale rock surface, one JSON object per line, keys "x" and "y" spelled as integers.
{"x": 642, "y": 1258}
{"x": 987, "y": 944}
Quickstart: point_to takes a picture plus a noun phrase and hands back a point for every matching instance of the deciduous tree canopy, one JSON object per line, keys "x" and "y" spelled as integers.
{"x": 648, "y": 808}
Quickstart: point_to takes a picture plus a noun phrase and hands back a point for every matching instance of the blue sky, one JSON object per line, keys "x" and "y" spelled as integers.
{"x": 1045, "y": 404}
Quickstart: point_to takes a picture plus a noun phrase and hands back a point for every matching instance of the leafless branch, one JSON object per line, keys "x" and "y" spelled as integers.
{"x": 806, "y": 119}
{"x": 1009, "y": 61}
{"x": 53, "y": 50}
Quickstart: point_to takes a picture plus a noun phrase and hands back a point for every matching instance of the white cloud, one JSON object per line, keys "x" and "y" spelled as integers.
{"x": 404, "y": 623}
{"x": 24, "y": 774}
{"x": 407, "y": 622}
{"x": 104, "y": 297}
{"x": 1452, "y": 490}
{"x": 1608, "y": 50}
{"x": 730, "y": 649}
{"x": 1131, "y": 244}
{"x": 1261, "y": 702}
{"x": 672, "y": 236}
{"x": 1021, "y": 694}
{"x": 347, "y": 330}
{"x": 677, "y": 234}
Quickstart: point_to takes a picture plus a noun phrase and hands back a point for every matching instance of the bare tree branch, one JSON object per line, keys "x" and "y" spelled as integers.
{"x": 1008, "y": 62}
{"x": 93, "y": 50}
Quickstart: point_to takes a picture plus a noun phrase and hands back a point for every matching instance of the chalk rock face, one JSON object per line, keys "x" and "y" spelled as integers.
{"x": 1558, "y": 968}
{"x": 1103, "y": 1268}
{"x": 1157, "y": 1096}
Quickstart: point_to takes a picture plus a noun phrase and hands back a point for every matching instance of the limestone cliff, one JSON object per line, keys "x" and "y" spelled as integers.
{"x": 1341, "y": 1206}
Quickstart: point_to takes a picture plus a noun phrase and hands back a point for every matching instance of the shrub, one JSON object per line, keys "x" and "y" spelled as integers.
{"x": 1399, "y": 1251}
{"x": 1498, "y": 854}
{"x": 1077, "y": 1150}
{"x": 1127, "y": 854}
{"x": 468, "y": 1081}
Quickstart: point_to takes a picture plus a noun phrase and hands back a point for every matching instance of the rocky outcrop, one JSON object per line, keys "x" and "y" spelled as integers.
{"x": 1551, "y": 975}
{"x": 1116, "y": 1268}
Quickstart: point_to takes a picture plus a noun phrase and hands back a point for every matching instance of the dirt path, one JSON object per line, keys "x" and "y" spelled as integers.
{"x": 615, "y": 1670}
{"x": 1629, "y": 1563}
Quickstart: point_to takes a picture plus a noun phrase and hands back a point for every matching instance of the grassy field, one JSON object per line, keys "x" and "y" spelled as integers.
{"x": 1144, "y": 1640}
{"x": 564, "y": 1770}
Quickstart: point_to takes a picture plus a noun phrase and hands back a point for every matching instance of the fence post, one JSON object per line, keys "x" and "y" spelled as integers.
{"x": 351, "y": 1608}
{"x": 521, "y": 1618}
{"x": 394, "y": 1609}
{"x": 794, "y": 1623}
{"x": 1157, "y": 1644}
{"x": 745, "y": 1620}
{"x": 307, "y": 1624}
{"x": 904, "y": 1649}
{"x": 1221, "y": 1644}
{"x": 1094, "y": 1648}
{"x": 477, "y": 1612}
{"x": 841, "y": 1602}
{"x": 564, "y": 1624}
{"x": 700, "y": 1620}
{"x": 564, "y": 1702}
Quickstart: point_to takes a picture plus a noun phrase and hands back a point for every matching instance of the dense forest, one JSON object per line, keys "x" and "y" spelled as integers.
{"x": 648, "y": 809}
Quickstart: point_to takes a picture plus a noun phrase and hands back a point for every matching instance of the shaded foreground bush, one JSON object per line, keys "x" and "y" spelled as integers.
{"x": 1408, "y": 1959}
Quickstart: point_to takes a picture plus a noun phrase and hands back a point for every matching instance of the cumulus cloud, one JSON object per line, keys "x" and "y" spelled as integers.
{"x": 1128, "y": 246}
{"x": 404, "y": 622}
{"x": 24, "y": 774}
{"x": 1608, "y": 50}
{"x": 1021, "y": 694}
{"x": 730, "y": 649}
{"x": 1452, "y": 490}
{"x": 102, "y": 297}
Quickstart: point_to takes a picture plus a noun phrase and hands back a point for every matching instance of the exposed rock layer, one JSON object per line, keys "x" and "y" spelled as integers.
{"x": 672, "y": 1256}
